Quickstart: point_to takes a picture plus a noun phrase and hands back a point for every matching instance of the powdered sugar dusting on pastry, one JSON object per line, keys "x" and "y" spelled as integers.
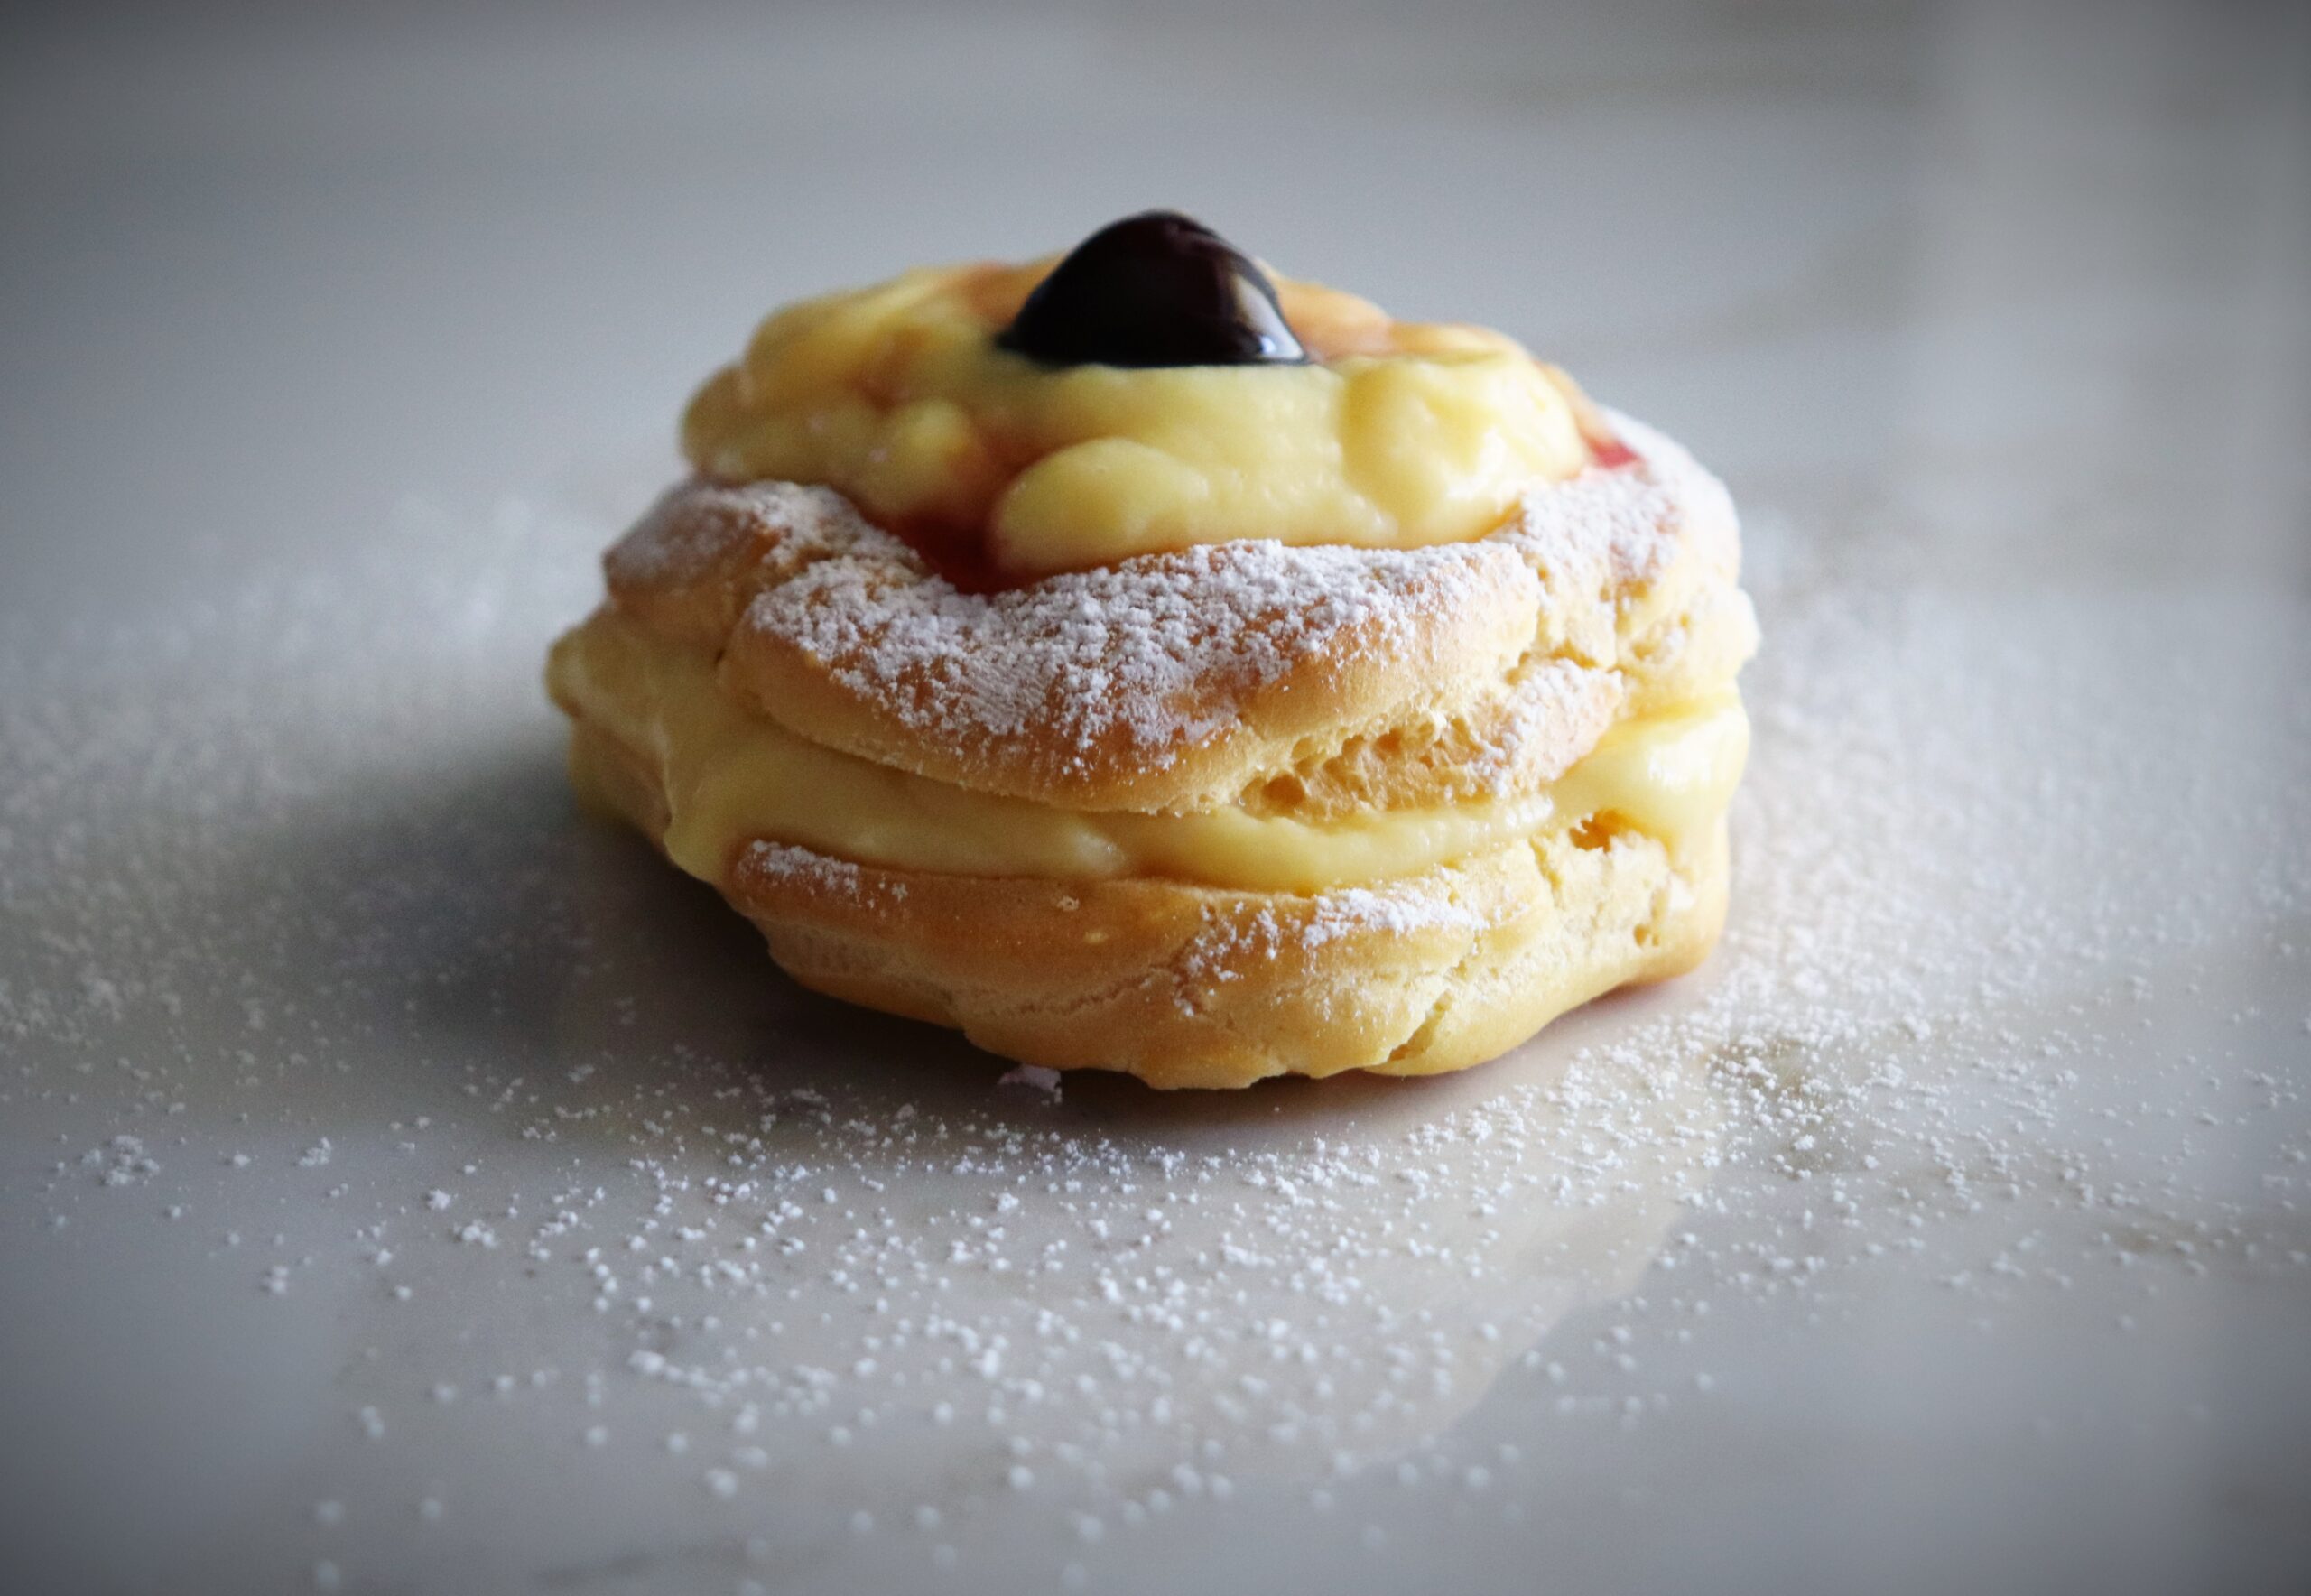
{"x": 1398, "y": 909}
{"x": 1133, "y": 667}
{"x": 1614, "y": 524}
{"x": 698, "y": 524}
{"x": 823, "y": 872}
{"x": 1550, "y": 716}
{"x": 1362, "y": 911}
{"x": 1140, "y": 659}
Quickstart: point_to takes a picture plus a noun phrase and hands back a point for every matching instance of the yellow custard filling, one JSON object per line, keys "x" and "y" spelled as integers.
{"x": 731, "y": 777}
{"x": 1398, "y": 434}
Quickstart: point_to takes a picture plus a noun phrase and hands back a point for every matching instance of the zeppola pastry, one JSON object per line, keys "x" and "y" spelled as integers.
{"x": 1143, "y": 663}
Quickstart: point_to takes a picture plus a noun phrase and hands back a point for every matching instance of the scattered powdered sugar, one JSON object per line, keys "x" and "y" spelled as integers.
{"x": 1995, "y": 1048}
{"x": 121, "y": 1161}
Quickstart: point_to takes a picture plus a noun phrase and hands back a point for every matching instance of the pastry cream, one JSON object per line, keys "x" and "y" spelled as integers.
{"x": 1398, "y": 434}
{"x": 733, "y": 777}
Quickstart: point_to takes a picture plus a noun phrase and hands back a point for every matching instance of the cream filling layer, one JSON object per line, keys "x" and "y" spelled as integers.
{"x": 731, "y": 777}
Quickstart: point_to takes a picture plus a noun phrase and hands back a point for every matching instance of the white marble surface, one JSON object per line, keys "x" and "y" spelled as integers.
{"x": 1948, "y": 1231}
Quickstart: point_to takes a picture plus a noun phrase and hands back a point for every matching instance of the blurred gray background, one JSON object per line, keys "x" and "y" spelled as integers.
{"x": 335, "y": 340}
{"x": 270, "y": 267}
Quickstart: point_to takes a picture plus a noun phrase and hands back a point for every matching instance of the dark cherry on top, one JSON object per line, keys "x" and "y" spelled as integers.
{"x": 1156, "y": 289}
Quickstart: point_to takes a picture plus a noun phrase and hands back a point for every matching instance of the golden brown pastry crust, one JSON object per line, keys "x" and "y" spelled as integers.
{"x": 1191, "y": 985}
{"x": 1309, "y": 680}
{"x": 1304, "y": 681}
{"x": 1186, "y": 985}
